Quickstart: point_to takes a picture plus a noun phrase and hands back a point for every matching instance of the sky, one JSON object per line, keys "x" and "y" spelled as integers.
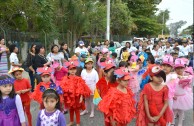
{"x": 179, "y": 10}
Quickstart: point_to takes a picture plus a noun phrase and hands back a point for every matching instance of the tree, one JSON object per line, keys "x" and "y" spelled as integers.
{"x": 175, "y": 26}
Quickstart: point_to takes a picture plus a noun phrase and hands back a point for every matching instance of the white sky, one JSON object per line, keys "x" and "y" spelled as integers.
{"x": 179, "y": 10}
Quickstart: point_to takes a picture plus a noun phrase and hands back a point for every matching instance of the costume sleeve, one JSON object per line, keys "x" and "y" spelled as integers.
{"x": 166, "y": 93}
{"x": 61, "y": 119}
{"x": 38, "y": 119}
{"x": 20, "y": 109}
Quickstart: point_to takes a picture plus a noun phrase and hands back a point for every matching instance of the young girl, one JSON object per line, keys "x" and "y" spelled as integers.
{"x": 90, "y": 76}
{"x": 50, "y": 115}
{"x": 118, "y": 104}
{"x": 74, "y": 89}
{"x": 153, "y": 107}
{"x": 11, "y": 110}
{"x": 59, "y": 73}
{"x": 183, "y": 99}
{"x": 22, "y": 87}
{"x": 45, "y": 73}
{"x": 105, "y": 83}
{"x": 133, "y": 82}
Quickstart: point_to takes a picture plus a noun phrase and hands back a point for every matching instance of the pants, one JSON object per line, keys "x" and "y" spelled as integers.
{"x": 77, "y": 114}
{"x": 26, "y": 106}
{"x": 31, "y": 80}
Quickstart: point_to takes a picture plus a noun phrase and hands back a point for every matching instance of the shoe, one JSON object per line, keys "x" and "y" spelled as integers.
{"x": 84, "y": 112}
{"x": 91, "y": 115}
{"x": 70, "y": 124}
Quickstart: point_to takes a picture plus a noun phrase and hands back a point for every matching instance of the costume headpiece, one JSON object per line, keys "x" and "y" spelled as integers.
{"x": 168, "y": 59}
{"x": 44, "y": 71}
{"x": 53, "y": 86}
{"x": 179, "y": 62}
{"x": 107, "y": 64}
{"x": 123, "y": 73}
{"x": 7, "y": 81}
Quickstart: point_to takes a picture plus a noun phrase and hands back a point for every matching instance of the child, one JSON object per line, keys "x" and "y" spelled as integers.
{"x": 153, "y": 106}
{"x": 90, "y": 76}
{"x": 50, "y": 115}
{"x": 108, "y": 81}
{"x": 11, "y": 110}
{"x": 183, "y": 99}
{"x": 115, "y": 60}
{"x": 133, "y": 68}
{"x": 125, "y": 54}
{"x": 59, "y": 73}
{"x": 118, "y": 104}
{"x": 45, "y": 73}
{"x": 74, "y": 89}
{"x": 22, "y": 87}
{"x": 171, "y": 77}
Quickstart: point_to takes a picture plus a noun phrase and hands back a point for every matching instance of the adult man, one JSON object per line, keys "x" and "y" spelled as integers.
{"x": 81, "y": 49}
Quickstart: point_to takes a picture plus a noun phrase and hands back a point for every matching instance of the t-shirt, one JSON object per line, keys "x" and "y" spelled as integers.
{"x": 56, "y": 57}
{"x": 185, "y": 50}
{"x": 81, "y": 50}
{"x": 125, "y": 56}
{"x": 13, "y": 59}
{"x": 22, "y": 85}
{"x": 132, "y": 49}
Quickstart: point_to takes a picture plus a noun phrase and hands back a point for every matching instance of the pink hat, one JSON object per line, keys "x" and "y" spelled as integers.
{"x": 189, "y": 70}
{"x": 133, "y": 58}
{"x": 179, "y": 63}
{"x": 55, "y": 65}
{"x": 104, "y": 50}
{"x": 168, "y": 59}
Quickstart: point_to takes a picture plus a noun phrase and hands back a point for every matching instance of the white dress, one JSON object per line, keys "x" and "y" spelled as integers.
{"x": 90, "y": 78}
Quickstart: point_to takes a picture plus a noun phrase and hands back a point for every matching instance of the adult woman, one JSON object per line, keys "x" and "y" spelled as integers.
{"x": 30, "y": 59}
{"x": 3, "y": 57}
{"x": 13, "y": 57}
{"x": 65, "y": 50}
{"x": 55, "y": 55}
{"x": 40, "y": 59}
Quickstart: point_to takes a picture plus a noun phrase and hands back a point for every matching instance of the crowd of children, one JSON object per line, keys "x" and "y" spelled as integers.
{"x": 135, "y": 88}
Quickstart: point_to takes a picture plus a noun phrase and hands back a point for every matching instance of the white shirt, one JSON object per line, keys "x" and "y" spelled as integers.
{"x": 157, "y": 53}
{"x": 13, "y": 59}
{"x": 81, "y": 50}
{"x": 168, "y": 50}
{"x": 132, "y": 49}
{"x": 90, "y": 78}
{"x": 55, "y": 57}
{"x": 185, "y": 50}
{"x": 150, "y": 46}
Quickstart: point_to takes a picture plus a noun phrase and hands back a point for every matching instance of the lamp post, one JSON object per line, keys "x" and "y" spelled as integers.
{"x": 108, "y": 21}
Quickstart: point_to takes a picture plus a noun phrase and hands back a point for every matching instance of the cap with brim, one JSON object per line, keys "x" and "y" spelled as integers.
{"x": 168, "y": 59}
{"x": 14, "y": 69}
{"x": 89, "y": 60}
{"x": 179, "y": 63}
{"x": 72, "y": 66}
{"x": 45, "y": 74}
{"x": 107, "y": 67}
{"x": 81, "y": 43}
{"x": 126, "y": 77}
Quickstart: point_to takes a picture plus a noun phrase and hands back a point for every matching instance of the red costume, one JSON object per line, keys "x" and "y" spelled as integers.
{"x": 73, "y": 87}
{"x": 155, "y": 102}
{"x": 24, "y": 84}
{"x": 119, "y": 106}
{"x": 103, "y": 86}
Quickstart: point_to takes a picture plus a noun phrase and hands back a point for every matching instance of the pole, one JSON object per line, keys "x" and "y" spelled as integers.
{"x": 45, "y": 43}
{"x": 4, "y": 35}
{"x": 108, "y": 21}
{"x": 163, "y": 26}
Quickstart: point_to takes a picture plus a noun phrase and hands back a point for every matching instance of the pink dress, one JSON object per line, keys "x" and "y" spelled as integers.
{"x": 133, "y": 82}
{"x": 184, "y": 97}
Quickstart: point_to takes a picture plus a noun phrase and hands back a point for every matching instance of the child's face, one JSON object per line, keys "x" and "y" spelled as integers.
{"x": 72, "y": 71}
{"x": 179, "y": 70}
{"x": 18, "y": 75}
{"x": 167, "y": 68}
{"x": 124, "y": 83}
{"x": 6, "y": 89}
{"x": 105, "y": 55}
{"x": 46, "y": 78}
{"x": 89, "y": 65}
{"x": 157, "y": 79}
{"x": 50, "y": 104}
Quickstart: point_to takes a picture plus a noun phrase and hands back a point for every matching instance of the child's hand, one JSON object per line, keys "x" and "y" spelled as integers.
{"x": 175, "y": 98}
{"x": 23, "y": 91}
{"x": 19, "y": 92}
{"x": 156, "y": 118}
{"x": 151, "y": 119}
{"x": 81, "y": 99}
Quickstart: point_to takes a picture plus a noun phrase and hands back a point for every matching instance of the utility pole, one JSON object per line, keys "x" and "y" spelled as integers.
{"x": 108, "y": 21}
{"x": 163, "y": 26}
